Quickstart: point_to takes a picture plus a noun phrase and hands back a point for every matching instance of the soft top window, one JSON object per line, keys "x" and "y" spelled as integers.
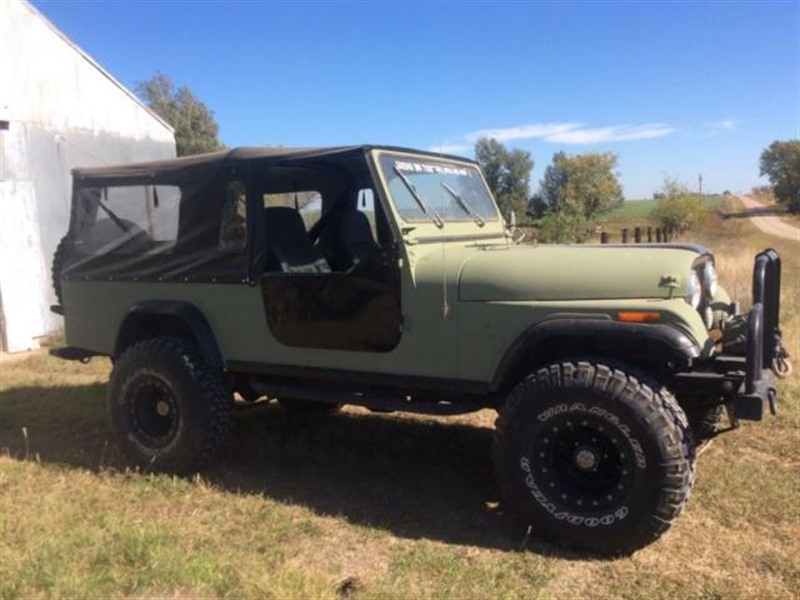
{"x": 179, "y": 225}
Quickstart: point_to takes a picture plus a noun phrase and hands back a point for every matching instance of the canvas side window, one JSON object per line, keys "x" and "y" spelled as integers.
{"x": 164, "y": 206}
{"x": 233, "y": 225}
{"x": 308, "y": 203}
{"x": 121, "y": 219}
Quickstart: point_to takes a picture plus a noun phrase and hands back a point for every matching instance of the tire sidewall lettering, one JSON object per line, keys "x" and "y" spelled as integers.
{"x": 559, "y": 513}
{"x": 550, "y": 506}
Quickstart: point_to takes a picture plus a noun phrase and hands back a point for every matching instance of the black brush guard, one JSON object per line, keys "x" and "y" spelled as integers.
{"x": 742, "y": 375}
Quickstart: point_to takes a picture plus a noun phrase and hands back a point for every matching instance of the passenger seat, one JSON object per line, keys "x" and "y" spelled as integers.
{"x": 349, "y": 240}
{"x": 288, "y": 247}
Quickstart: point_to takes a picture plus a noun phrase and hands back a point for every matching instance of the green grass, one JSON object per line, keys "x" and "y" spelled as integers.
{"x": 368, "y": 506}
{"x": 641, "y": 209}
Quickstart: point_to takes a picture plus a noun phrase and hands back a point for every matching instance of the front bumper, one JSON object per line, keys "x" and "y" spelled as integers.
{"x": 742, "y": 375}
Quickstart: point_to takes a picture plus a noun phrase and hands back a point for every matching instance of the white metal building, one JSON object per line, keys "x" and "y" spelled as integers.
{"x": 59, "y": 109}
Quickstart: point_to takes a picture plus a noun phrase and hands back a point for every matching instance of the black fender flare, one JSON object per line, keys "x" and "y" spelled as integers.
{"x": 192, "y": 319}
{"x": 656, "y": 343}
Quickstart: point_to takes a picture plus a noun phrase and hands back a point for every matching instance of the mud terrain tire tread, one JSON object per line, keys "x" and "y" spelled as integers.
{"x": 656, "y": 413}
{"x": 59, "y": 258}
{"x": 205, "y": 404}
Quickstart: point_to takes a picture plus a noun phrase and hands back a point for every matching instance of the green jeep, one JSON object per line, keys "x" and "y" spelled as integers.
{"x": 386, "y": 278}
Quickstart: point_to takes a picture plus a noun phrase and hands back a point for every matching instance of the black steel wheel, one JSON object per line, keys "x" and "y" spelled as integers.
{"x": 594, "y": 458}
{"x": 169, "y": 410}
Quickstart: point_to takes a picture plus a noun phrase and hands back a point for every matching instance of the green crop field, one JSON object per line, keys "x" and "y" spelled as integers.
{"x": 364, "y": 505}
{"x": 631, "y": 209}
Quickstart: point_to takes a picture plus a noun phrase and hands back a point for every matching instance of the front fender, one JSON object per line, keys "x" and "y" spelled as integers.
{"x": 656, "y": 346}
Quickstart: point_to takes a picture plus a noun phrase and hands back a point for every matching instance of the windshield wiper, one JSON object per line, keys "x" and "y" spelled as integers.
{"x": 430, "y": 213}
{"x": 475, "y": 216}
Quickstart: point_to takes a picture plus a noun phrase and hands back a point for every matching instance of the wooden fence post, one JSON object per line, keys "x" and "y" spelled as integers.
{"x": 658, "y": 235}
{"x": 625, "y": 236}
{"x": 649, "y": 235}
{"x": 637, "y": 235}
{"x": 603, "y": 237}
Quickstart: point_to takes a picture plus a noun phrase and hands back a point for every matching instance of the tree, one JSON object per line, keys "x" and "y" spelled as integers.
{"x": 781, "y": 164}
{"x": 508, "y": 174}
{"x": 196, "y": 130}
{"x": 678, "y": 208}
{"x": 584, "y": 184}
{"x": 567, "y": 225}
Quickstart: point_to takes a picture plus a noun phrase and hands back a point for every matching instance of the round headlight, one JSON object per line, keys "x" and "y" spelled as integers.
{"x": 694, "y": 291}
{"x": 710, "y": 278}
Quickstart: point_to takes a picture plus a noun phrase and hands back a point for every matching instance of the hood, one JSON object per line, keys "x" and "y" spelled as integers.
{"x": 546, "y": 273}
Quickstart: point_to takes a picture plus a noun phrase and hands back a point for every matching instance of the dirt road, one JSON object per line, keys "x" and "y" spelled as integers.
{"x": 768, "y": 223}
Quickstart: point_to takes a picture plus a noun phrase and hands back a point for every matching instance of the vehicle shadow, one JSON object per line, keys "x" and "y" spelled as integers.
{"x": 415, "y": 478}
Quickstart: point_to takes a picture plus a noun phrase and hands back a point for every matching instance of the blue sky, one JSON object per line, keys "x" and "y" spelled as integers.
{"x": 679, "y": 89}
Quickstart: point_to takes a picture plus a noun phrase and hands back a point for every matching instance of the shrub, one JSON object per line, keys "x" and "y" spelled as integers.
{"x": 679, "y": 209}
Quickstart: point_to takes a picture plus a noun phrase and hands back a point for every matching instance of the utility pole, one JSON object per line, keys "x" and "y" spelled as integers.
{"x": 700, "y": 182}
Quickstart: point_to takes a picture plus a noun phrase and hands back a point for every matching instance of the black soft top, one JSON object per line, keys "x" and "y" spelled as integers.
{"x": 177, "y": 168}
{"x": 181, "y": 219}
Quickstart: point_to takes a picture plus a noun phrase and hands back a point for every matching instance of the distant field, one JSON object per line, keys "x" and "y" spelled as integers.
{"x": 631, "y": 209}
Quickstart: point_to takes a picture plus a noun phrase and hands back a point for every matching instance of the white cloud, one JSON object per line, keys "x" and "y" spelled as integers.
{"x": 523, "y": 132}
{"x": 617, "y": 133}
{"x": 458, "y": 149}
{"x": 726, "y": 124}
{"x": 712, "y": 129}
{"x": 561, "y": 133}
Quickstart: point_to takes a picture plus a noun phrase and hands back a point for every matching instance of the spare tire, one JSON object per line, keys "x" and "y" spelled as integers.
{"x": 59, "y": 260}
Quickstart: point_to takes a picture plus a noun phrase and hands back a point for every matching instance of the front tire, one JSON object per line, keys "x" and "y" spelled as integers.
{"x": 594, "y": 458}
{"x": 169, "y": 410}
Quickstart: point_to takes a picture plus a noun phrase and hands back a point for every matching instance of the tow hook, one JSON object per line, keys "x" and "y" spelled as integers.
{"x": 781, "y": 366}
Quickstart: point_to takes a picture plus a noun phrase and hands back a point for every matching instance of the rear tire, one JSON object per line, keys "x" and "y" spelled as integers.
{"x": 169, "y": 410}
{"x": 594, "y": 458}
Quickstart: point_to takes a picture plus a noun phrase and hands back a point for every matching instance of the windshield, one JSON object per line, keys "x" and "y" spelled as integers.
{"x": 427, "y": 189}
